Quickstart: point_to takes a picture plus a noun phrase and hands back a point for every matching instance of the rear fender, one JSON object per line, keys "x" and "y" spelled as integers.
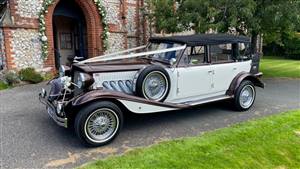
{"x": 240, "y": 78}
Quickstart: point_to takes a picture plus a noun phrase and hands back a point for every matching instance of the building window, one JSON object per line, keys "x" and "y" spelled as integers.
{"x": 66, "y": 41}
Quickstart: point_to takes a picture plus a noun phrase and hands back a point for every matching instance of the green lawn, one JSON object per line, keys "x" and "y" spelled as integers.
{"x": 278, "y": 67}
{"x": 269, "y": 143}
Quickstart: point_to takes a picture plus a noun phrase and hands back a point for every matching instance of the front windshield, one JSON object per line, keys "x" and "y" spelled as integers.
{"x": 163, "y": 51}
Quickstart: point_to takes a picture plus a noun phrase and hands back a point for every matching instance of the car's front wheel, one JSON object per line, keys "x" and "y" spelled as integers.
{"x": 245, "y": 96}
{"x": 98, "y": 123}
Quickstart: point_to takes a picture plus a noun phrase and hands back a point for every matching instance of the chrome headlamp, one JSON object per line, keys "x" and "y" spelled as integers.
{"x": 66, "y": 81}
{"x": 84, "y": 80}
{"x": 64, "y": 71}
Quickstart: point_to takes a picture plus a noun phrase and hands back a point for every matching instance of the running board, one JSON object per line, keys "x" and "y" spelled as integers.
{"x": 208, "y": 100}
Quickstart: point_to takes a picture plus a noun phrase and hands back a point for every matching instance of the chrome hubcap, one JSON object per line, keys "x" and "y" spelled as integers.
{"x": 247, "y": 96}
{"x": 101, "y": 125}
{"x": 155, "y": 86}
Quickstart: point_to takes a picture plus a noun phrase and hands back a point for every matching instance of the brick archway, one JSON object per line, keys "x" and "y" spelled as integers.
{"x": 94, "y": 29}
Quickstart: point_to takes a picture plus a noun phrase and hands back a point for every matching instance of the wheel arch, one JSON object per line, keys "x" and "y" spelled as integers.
{"x": 240, "y": 78}
{"x": 75, "y": 108}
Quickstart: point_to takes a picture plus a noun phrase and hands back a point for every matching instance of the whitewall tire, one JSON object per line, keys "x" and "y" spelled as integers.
{"x": 245, "y": 96}
{"x": 98, "y": 123}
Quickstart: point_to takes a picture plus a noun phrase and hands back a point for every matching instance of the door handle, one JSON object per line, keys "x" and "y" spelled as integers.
{"x": 211, "y": 72}
{"x": 235, "y": 68}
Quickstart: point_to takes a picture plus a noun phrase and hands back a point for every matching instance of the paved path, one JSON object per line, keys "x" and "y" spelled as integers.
{"x": 29, "y": 139}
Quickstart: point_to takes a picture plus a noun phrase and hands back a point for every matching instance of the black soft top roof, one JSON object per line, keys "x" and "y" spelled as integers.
{"x": 202, "y": 39}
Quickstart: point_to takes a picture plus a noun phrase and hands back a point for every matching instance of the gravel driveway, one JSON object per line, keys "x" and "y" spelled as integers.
{"x": 29, "y": 139}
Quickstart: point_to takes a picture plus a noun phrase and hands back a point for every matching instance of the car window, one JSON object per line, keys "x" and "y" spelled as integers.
{"x": 221, "y": 53}
{"x": 244, "y": 51}
{"x": 164, "y": 56}
{"x": 193, "y": 55}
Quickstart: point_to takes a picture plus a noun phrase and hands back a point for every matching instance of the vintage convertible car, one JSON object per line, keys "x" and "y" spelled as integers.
{"x": 169, "y": 73}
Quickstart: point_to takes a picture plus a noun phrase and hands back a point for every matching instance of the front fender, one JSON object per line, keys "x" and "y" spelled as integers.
{"x": 132, "y": 103}
{"x": 241, "y": 77}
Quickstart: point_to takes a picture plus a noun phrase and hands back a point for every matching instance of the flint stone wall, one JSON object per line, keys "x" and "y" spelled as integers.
{"x": 26, "y": 46}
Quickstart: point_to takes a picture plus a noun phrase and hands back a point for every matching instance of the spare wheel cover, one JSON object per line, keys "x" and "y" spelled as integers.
{"x": 153, "y": 83}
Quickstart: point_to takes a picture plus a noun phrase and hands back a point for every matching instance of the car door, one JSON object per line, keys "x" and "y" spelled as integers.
{"x": 225, "y": 68}
{"x": 194, "y": 75}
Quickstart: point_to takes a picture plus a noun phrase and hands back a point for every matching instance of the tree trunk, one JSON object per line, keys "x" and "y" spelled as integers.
{"x": 254, "y": 39}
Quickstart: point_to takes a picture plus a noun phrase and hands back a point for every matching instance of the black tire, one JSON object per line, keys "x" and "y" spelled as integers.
{"x": 85, "y": 115}
{"x": 245, "y": 85}
{"x": 142, "y": 77}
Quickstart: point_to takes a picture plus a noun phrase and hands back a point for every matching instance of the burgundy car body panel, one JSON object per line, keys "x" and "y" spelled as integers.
{"x": 244, "y": 76}
{"x": 116, "y": 65}
{"x": 95, "y": 95}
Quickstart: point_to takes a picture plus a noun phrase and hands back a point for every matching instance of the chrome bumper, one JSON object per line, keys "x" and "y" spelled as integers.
{"x": 51, "y": 109}
{"x": 259, "y": 75}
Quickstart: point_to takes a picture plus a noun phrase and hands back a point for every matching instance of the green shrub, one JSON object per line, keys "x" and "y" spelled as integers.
{"x": 292, "y": 47}
{"x": 289, "y": 48}
{"x": 3, "y": 85}
{"x": 30, "y": 75}
{"x": 48, "y": 76}
{"x": 11, "y": 77}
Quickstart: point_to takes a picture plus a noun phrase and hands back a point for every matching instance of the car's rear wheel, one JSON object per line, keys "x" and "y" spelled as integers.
{"x": 245, "y": 96}
{"x": 98, "y": 123}
{"x": 153, "y": 83}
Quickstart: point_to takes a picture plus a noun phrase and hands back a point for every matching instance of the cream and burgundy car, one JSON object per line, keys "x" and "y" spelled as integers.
{"x": 169, "y": 73}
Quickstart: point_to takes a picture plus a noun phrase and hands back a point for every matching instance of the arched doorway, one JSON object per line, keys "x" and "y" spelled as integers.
{"x": 69, "y": 32}
{"x": 73, "y": 27}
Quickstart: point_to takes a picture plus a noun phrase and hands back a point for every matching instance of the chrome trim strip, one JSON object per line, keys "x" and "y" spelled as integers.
{"x": 51, "y": 110}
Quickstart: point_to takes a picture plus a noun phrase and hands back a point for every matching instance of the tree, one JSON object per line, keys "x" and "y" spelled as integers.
{"x": 162, "y": 15}
{"x": 220, "y": 15}
{"x": 273, "y": 18}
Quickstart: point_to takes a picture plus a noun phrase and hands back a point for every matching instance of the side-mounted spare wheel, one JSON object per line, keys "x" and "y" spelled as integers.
{"x": 244, "y": 96}
{"x": 98, "y": 123}
{"x": 153, "y": 83}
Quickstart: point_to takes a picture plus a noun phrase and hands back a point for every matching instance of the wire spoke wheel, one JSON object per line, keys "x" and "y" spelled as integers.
{"x": 155, "y": 86}
{"x": 101, "y": 125}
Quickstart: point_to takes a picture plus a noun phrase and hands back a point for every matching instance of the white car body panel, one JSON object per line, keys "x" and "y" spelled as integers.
{"x": 223, "y": 74}
{"x": 193, "y": 82}
{"x": 189, "y": 85}
{"x": 143, "y": 108}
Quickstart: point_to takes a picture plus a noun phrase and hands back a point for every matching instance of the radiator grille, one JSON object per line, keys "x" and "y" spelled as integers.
{"x": 116, "y": 81}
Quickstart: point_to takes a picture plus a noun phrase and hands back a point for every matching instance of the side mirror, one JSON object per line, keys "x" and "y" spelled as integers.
{"x": 172, "y": 61}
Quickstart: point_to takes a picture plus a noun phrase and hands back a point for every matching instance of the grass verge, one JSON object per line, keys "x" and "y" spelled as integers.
{"x": 279, "y": 67}
{"x": 272, "y": 142}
